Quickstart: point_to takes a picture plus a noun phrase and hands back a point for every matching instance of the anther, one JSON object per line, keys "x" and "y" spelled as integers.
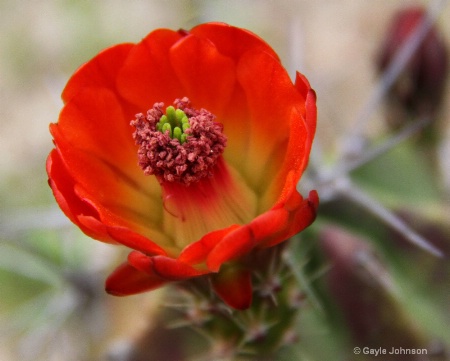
{"x": 181, "y": 144}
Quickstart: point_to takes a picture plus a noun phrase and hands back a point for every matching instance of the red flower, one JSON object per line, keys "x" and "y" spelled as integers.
{"x": 197, "y": 204}
{"x": 420, "y": 88}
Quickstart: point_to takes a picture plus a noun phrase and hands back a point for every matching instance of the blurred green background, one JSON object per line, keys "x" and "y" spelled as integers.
{"x": 52, "y": 303}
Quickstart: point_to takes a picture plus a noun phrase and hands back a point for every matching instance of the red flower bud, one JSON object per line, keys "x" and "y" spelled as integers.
{"x": 419, "y": 88}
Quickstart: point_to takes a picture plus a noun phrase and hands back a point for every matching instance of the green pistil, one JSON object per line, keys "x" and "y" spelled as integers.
{"x": 175, "y": 121}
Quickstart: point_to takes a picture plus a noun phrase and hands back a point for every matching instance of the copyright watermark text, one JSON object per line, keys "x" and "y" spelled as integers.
{"x": 392, "y": 351}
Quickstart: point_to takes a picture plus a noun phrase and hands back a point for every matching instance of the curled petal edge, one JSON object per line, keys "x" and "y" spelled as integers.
{"x": 267, "y": 230}
{"x": 75, "y": 208}
{"x": 169, "y": 269}
{"x": 144, "y": 273}
{"x": 126, "y": 280}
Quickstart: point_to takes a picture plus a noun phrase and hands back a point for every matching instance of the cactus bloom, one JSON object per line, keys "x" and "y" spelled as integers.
{"x": 186, "y": 148}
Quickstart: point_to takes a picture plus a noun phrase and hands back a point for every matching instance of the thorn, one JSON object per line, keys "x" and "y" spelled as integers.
{"x": 356, "y": 195}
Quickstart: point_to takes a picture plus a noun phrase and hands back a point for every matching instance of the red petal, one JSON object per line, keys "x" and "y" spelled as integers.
{"x": 101, "y": 71}
{"x": 302, "y": 124}
{"x": 94, "y": 121}
{"x": 234, "y": 42}
{"x": 147, "y": 76}
{"x": 208, "y": 78}
{"x": 289, "y": 187}
{"x": 271, "y": 97}
{"x": 303, "y": 87}
{"x": 311, "y": 115}
{"x": 128, "y": 227}
{"x": 233, "y": 284}
{"x": 135, "y": 241}
{"x": 306, "y": 214}
{"x": 141, "y": 262}
{"x": 234, "y": 245}
{"x": 95, "y": 144}
{"x": 127, "y": 280}
{"x": 275, "y": 105}
{"x": 102, "y": 186}
{"x": 94, "y": 228}
{"x": 299, "y": 219}
{"x": 231, "y": 41}
{"x": 173, "y": 269}
{"x": 269, "y": 223}
{"x": 298, "y": 150}
{"x": 62, "y": 186}
{"x": 293, "y": 198}
{"x": 234, "y": 117}
{"x": 197, "y": 252}
{"x": 302, "y": 84}
{"x": 166, "y": 268}
{"x": 73, "y": 206}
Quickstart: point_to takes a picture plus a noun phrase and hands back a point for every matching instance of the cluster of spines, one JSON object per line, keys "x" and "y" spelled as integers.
{"x": 263, "y": 330}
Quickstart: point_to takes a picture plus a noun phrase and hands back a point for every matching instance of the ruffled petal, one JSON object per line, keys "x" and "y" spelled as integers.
{"x": 174, "y": 270}
{"x": 135, "y": 241}
{"x": 141, "y": 262}
{"x": 311, "y": 116}
{"x": 231, "y": 41}
{"x": 128, "y": 227}
{"x": 302, "y": 212}
{"x": 208, "y": 77}
{"x": 63, "y": 185}
{"x": 234, "y": 285}
{"x": 273, "y": 105}
{"x": 302, "y": 84}
{"x": 302, "y": 129}
{"x": 234, "y": 245}
{"x": 99, "y": 185}
{"x": 306, "y": 213}
{"x": 197, "y": 252}
{"x": 167, "y": 268}
{"x": 288, "y": 171}
{"x": 93, "y": 120}
{"x": 101, "y": 71}
{"x": 147, "y": 76}
{"x": 269, "y": 223}
{"x": 93, "y": 227}
{"x": 127, "y": 280}
{"x": 94, "y": 142}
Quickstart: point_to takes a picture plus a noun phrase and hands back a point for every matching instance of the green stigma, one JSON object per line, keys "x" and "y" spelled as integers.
{"x": 175, "y": 121}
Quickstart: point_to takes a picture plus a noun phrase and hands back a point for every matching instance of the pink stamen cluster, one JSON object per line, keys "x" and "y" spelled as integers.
{"x": 167, "y": 158}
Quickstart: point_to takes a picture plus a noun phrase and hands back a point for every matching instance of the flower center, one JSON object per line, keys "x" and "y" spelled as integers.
{"x": 174, "y": 122}
{"x": 181, "y": 144}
